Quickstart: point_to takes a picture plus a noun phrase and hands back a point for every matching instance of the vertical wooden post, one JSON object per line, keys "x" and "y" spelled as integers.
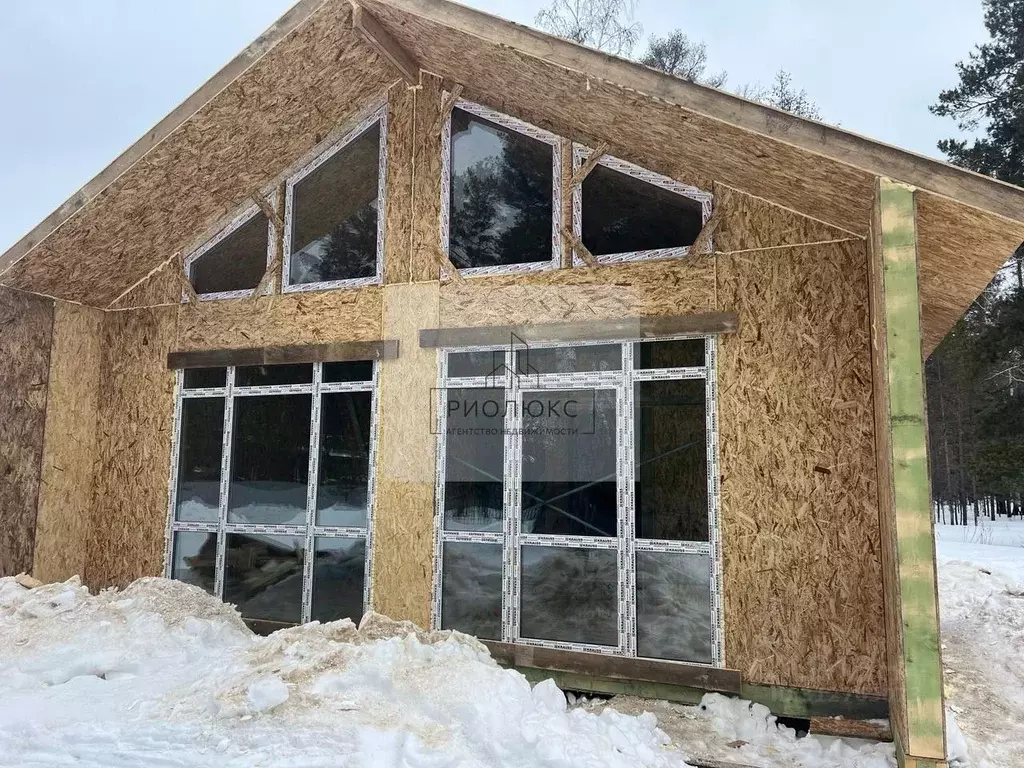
{"x": 908, "y": 546}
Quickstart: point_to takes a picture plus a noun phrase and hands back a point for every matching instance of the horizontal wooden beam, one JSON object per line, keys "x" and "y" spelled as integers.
{"x": 334, "y": 352}
{"x": 384, "y": 44}
{"x": 616, "y": 667}
{"x": 591, "y": 330}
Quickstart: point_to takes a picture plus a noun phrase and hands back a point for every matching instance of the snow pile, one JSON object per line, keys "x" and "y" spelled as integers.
{"x": 164, "y": 674}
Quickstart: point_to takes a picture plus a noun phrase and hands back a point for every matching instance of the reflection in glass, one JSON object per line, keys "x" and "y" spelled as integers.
{"x": 673, "y": 611}
{"x": 270, "y": 459}
{"x": 671, "y": 473}
{"x": 237, "y": 262}
{"x": 199, "y": 457}
{"x": 344, "y": 458}
{"x": 584, "y": 358}
{"x": 474, "y": 453}
{"x": 569, "y": 482}
{"x": 352, "y": 370}
{"x": 489, "y": 362}
{"x": 501, "y": 195}
{"x": 471, "y": 589}
{"x": 678, "y": 353}
{"x": 194, "y": 559}
{"x": 204, "y": 378}
{"x": 263, "y": 576}
{"x": 269, "y": 375}
{"x": 338, "y": 572}
{"x": 570, "y": 595}
{"x": 622, "y": 214}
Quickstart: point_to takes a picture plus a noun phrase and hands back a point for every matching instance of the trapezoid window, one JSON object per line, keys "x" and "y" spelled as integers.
{"x": 501, "y": 192}
{"x": 334, "y": 222}
{"x": 622, "y": 212}
{"x": 232, "y": 263}
{"x": 272, "y": 497}
{"x": 577, "y": 500}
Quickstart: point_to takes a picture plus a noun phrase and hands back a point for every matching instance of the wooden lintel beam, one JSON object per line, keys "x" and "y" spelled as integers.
{"x": 384, "y": 44}
{"x": 447, "y": 105}
{"x": 334, "y": 352}
{"x": 591, "y": 163}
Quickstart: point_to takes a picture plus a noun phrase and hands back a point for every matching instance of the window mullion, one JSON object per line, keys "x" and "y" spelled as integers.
{"x": 440, "y": 474}
{"x": 711, "y": 404}
{"x": 312, "y": 483}
{"x": 627, "y": 504}
{"x": 513, "y": 502}
{"x": 225, "y": 480}
{"x": 371, "y": 490}
{"x": 172, "y": 483}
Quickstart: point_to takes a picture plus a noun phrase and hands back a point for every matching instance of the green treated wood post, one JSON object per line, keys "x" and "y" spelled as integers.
{"x": 915, "y": 665}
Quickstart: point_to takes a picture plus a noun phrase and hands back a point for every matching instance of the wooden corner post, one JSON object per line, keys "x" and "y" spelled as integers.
{"x": 904, "y": 488}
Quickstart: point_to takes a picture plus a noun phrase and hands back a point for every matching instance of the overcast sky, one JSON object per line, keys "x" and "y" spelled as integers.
{"x": 80, "y": 81}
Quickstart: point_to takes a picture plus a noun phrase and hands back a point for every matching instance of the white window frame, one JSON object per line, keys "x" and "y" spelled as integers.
{"x": 518, "y": 126}
{"x": 309, "y": 530}
{"x": 580, "y": 155}
{"x": 240, "y": 219}
{"x": 626, "y": 543}
{"x": 379, "y": 114}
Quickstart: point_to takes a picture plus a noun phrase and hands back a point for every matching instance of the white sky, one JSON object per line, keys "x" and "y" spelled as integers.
{"x": 80, "y": 81}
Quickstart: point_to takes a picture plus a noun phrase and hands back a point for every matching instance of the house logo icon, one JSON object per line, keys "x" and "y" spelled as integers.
{"x": 525, "y": 373}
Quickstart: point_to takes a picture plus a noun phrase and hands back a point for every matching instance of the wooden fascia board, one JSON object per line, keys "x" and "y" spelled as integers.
{"x": 280, "y": 29}
{"x": 876, "y": 157}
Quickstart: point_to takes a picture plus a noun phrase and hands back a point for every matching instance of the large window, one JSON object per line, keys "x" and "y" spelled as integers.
{"x": 577, "y": 497}
{"x": 272, "y": 488}
{"x": 500, "y": 202}
{"x": 233, "y": 261}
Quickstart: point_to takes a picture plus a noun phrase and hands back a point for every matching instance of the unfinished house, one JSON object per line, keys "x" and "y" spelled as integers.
{"x": 415, "y": 310}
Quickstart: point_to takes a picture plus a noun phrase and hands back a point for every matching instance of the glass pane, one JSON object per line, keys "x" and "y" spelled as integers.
{"x": 270, "y": 460}
{"x": 338, "y": 572}
{"x": 199, "y": 458}
{"x": 237, "y": 262}
{"x": 671, "y": 460}
{"x": 622, "y": 214}
{"x": 568, "y": 466}
{"x": 673, "y": 606}
{"x": 334, "y": 215}
{"x": 471, "y": 588}
{"x": 195, "y": 559}
{"x": 484, "y": 363}
{"x": 474, "y": 459}
{"x": 354, "y": 370}
{"x": 271, "y": 375}
{"x": 501, "y": 192}
{"x": 344, "y": 458}
{"x": 263, "y": 576}
{"x": 592, "y": 357}
{"x": 205, "y": 378}
{"x": 570, "y": 595}
{"x": 680, "y": 353}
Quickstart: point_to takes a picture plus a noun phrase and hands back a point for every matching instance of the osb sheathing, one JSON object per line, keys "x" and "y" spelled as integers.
{"x": 319, "y": 76}
{"x": 161, "y": 287}
{"x": 426, "y": 190}
{"x": 69, "y": 449}
{"x": 26, "y": 326}
{"x": 133, "y": 447}
{"x": 959, "y": 249}
{"x": 404, "y": 497}
{"x": 799, "y": 518}
{"x": 398, "y": 197}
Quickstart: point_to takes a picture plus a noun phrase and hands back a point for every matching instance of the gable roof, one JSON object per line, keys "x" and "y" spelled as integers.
{"x": 310, "y": 72}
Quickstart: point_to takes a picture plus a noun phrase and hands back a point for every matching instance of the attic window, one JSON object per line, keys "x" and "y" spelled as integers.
{"x": 502, "y": 182}
{"x": 334, "y": 230}
{"x": 232, "y": 263}
{"x": 624, "y": 213}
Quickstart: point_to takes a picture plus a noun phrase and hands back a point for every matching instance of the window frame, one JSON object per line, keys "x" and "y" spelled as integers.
{"x": 378, "y": 114}
{"x": 239, "y": 220}
{"x": 310, "y": 530}
{"x": 518, "y": 126}
{"x": 580, "y": 155}
{"x": 627, "y": 544}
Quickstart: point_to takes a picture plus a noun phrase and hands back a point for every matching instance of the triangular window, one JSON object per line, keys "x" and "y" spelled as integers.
{"x": 334, "y": 224}
{"x": 232, "y": 263}
{"x": 622, "y": 212}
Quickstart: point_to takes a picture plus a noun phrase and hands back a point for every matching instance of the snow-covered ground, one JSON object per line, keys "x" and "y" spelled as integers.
{"x": 162, "y": 674}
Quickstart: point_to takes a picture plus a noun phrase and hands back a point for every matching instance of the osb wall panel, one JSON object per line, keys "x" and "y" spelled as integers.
{"x": 959, "y": 250}
{"x": 26, "y": 326}
{"x": 294, "y": 318}
{"x": 69, "y": 449}
{"x": 133, "y": 447}
{"x": 800, "y": 528}
{"x": 426, "y": 201}
{"x": 320, "y": 75}
{"x": 403, "y": 522}
{"x": 657, "y": 135}
{"x": 161, "y": 287}
{"x": 398, "y": 226}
